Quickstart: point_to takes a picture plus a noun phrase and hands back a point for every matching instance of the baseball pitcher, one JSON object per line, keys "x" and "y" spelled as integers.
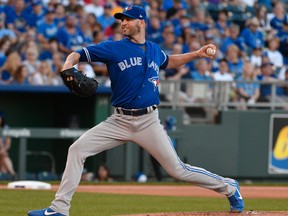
{"x": 133, "y": 64}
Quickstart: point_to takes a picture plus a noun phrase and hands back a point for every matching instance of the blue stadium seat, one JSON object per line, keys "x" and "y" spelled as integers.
{"x": 30, "y": 176}
{"x": 5, "y": 177}
{"x": 47, "y": 176}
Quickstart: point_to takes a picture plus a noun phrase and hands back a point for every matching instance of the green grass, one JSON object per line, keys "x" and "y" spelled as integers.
{"x": 18, "y": 202}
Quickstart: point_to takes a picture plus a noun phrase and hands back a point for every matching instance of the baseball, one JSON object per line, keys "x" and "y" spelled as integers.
{"x": 210, "y": 51}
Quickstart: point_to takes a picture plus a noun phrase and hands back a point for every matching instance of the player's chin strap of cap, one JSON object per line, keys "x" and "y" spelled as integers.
{"x": 135, "y": 112}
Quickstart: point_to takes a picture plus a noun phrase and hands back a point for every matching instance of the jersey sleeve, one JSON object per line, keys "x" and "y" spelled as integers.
{"x": 165, "y": 60}
{"x": 101, "y": 52}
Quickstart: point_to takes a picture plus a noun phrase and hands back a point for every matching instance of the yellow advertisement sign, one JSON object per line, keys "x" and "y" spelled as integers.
{"x": 278, "y": 148}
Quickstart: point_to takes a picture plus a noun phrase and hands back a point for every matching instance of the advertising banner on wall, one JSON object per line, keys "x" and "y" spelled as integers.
{"x": 278, "y": 144}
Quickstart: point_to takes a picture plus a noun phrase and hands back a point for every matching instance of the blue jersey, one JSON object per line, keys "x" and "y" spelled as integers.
{"x": 133, "y": 70}
{"x": 48, "y": 30}
{"x": 252, "y": 39}
{"x": 276, "y": 23}
{"x": 248, "y": 87}
{"x": 71, "y": 41}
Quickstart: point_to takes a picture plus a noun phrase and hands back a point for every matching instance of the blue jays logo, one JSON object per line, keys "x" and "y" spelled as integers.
{"x": 128, "y": 8}
{"x": 154, "y": 81}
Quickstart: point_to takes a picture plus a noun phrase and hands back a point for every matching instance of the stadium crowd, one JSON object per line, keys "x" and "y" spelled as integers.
{"x": 251, "y": 36}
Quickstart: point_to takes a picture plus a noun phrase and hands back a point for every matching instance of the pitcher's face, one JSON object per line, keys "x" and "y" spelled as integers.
{"x": 130, "y": 27}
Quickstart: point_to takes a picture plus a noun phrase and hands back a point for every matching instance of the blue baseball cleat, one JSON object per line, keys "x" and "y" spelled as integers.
{"x": 44, "y": 212}
{"x": 236, "y": 201}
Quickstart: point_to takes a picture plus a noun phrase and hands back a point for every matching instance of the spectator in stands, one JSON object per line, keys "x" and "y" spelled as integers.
{"x": 267, "y": 74}
{"x": 44, "y": 75}
{"x": 51, "y": 4}
{"x": 113, "y": 29}
{"x": 188, "y": 36}
{"x": 283, "y": 36}
{"x": 279, "y": 12}
{"x": 261, "y": 15}
{"x": 87, "y": 176}
{"x": 17, "y": 18}
{"x": 252, "y": 36}
{"x": 232, "y": 36}
{"x": 47, "y": 54}
{"x": 222, "y": 23}
{"x": 178, "y": 73}
{"x": 169, "y": 39}
{"x": 153, "y": 8}
{"x": 47, "y": 29}
{"x": 162, "y": 15}
{"x": 201, "y": 92}
{"x": 178, "y": 18}
{"x": 72, "y": 6}
{"x": 195, "y": 5}
{"x": 223, "y": 73}
{"x": 80, "y": 14}
{"x": 199, "y": 21}
{"x": 57, "y": 62}
{"x": 6, "y": 32}
{"x": 154, "y": 29}
{"x": 6, "y": 164}
{"x": 223, "y": 89}
{"x": 107, "y": 18}
{"x": 194, "y": 45}
{"x": 25, "y": 45}
{"x": 273, "y": 53}
{"x": 248, "y": 89}
{"x": 70, "y": 36}
{"x": 21, "y": 76}
{"x": 266, "y": 3}
{"x": 31, "y": 60}
{"x": 99, "y": 68}
{"x": 89, "y": 25}
{"x": 29, "y": 37}
{"x": 37, "y": 14}
{"x": 94, "y": 7}
{"x": 256, "y": 57}
{"x": 87, "y": 33}
{"x": 3, "y": 3}
{"x": 10, "y": 66}
{"x": 103, "y": 174}
{"x": 5, "y": 44}
{"x": 60, "y": 15}
{"x": 202, "y": 71}
{"x": 91, "y": 20}
{"x": 235, "y": 62}
{"x": 98, "y": 36}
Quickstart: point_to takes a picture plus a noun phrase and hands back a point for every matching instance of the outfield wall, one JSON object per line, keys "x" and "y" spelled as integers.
{"x": 237, "y": 146}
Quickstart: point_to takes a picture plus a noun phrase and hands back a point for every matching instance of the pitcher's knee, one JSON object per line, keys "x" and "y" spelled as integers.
{"x": 175, "y": 173}
{"x": 74, "y": 149}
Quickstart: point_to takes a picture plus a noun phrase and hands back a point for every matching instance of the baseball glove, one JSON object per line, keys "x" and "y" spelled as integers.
{"x": 79, "y": 83}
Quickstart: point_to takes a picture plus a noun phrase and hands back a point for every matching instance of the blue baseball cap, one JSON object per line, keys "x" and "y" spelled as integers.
{"x": 133, "y": 12}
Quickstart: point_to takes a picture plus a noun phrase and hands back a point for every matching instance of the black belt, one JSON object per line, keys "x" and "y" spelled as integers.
{"x": 135, "y": 112}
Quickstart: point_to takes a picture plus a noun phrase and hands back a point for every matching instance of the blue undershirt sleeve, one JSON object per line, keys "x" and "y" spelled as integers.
{"x": 165, "y": 60}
